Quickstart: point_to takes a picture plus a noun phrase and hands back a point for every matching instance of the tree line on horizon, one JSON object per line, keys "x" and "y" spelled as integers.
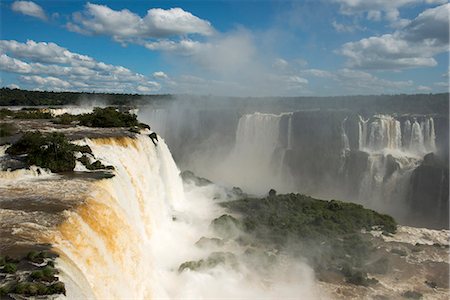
{"x": 402, "y": 103}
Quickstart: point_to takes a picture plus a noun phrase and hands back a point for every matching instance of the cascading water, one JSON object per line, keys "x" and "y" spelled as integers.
{"x": 256, "y": 161}
{"x": 108, "y": 237}
{"x": 384, "y": 133}
{"x": 394, "y": 150}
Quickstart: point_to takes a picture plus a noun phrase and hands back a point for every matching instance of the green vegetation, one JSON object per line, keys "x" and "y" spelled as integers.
{"x": 28, "y": 280}
{"x": 327, "y": 233}
{"x": 10, "y": 268}
{"x": 7, "y": 129}
{"x": 52, "y": 151}
{"x": 96, "y": 165}
{"x": 108, "y": 117}
{"x": 11, "y": 97}
{"x": 66, "y": 119}
{"x": 32, "y": 114}
{"x": 100, "y": 117}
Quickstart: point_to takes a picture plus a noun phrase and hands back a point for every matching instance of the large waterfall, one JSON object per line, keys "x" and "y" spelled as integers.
{"x": 127, "y": 235}
{"x": 108, "y": 237}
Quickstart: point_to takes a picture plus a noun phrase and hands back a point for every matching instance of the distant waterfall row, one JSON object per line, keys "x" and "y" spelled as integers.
{"x": 383, "y": 132}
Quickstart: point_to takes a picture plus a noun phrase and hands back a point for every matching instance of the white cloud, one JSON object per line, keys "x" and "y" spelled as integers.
{"x": 280, "y": 63}
{"x": 149, "y": 87}
{"x": 376, "y": 9}
{"x": 356, "y": 81}
{"x": 13, "y": 86}
{"x": 317, "y": 73}
{"x": 423, "y": 88}
{"x": 442, "y": 84}
{"x": 49, "y": 81}
{"x": 126, "y": 26}
{"x": 345, "y": 28}
{"x": 184, "y": 46}
{"x": 29, "y": 8}
{"x": 413, "y": 46}
{"x": 160, "y": 75}
{"x": 48, "y": 66}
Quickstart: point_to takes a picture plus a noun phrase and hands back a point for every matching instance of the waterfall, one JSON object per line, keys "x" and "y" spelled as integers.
{"x": 108, "y": 237}
{"x": 289, "y": 134}
{"x": 385, "y": 134}
{"x": 256, "y": 161}
{"x": 417, "y": 141}
{"x": 362, "y": 131}
{"x": 395, "y": 148}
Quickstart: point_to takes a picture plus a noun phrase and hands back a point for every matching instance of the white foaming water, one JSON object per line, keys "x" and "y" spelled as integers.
{"x": 73, "y": 110}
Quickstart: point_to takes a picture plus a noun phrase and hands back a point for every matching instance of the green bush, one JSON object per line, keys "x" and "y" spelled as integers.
{"x": 7, "y": 129}
{"x": 10, "y": 268}
{"x": 32, "y": 114}
{"x": 66, "y": 119}
{"x": 108, "y": 117}
{"x": 51, "y": 151}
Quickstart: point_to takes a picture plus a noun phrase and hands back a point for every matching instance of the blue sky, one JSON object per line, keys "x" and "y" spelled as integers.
{"x": 259, "y": 48}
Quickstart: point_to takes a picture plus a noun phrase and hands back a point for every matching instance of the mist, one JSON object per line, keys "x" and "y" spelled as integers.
{"x": 306, "y": 147}
{"x": 241, "y": 275}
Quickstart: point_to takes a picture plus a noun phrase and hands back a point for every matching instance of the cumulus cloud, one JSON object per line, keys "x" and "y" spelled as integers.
{"x": 183, "y": 47}
{"x": 357, "y": 81}
{"x": 160, "y": 75}
{"x": 50, "y": 66}
{"x": 413, "y": 46}
{"x": 376, "y": 9}
{"x": 126, "y": 26}
{"x": 29, "y": 8}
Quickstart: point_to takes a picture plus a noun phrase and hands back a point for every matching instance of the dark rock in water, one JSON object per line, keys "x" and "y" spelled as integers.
{"x": 189, "y": 176}
{"x": 431, "y": 284}
{"x": 391, "y": 166}
{"x": 412, "y": 295}
{"x": 216, "y": 258}
{"x": 272, "y": 193}
{"x": 237, "y": 193}
{"x": 226, "y": 226}
{"x": 208, "y": 242}
{"x": 154, "y": 137}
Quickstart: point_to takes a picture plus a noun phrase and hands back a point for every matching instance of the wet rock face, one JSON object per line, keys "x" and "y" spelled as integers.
{"x": 317, "y": 144}
{"x": 429, "y": 193}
